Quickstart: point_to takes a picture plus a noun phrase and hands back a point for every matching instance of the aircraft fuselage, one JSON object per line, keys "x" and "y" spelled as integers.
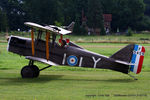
{"x": 68, "y": 55}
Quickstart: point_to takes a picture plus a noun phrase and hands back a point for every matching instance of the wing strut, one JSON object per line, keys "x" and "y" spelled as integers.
{"x": 32, "y": 43}
{"x": 47, "y": 44}
{"x": 61, "y": 38}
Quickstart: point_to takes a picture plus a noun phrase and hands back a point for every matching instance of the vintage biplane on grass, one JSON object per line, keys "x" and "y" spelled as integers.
{"x": 67, "y": 53}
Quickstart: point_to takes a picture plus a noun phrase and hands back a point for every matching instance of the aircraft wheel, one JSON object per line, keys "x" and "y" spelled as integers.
{"x": 27, "y": 72}
{"x": 35, "y": 70}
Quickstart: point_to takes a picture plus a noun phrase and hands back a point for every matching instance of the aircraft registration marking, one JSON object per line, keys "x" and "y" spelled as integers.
{"x": 64, "y": 59}
{"x": 80, "y": 63}
{"x": 95, "y": 61}
{"x": 73, "y": 60}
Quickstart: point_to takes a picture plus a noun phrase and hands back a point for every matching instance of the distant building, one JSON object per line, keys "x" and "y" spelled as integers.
{"x": 84, "y": 19}
{"x": 107, "y": 24}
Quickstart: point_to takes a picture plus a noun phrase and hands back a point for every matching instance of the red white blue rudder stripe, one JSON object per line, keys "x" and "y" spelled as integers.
{"x": 137, "y": 59}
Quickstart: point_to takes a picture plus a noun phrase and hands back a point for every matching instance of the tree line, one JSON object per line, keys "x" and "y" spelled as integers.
{"x": 125, "y": 13}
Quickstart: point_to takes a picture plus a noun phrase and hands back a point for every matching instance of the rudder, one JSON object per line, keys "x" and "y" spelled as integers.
{"x": 137, "y": 59}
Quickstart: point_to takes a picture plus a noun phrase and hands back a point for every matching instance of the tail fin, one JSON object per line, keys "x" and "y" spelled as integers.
{"x": 133, "y": 54}
{"x": 70, "y": 27}
{"x": 125, "y": 54}
{"x": 137, "y": 59}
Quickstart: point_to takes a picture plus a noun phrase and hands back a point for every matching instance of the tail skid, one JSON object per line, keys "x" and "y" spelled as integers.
{"x": 133, "y": 77}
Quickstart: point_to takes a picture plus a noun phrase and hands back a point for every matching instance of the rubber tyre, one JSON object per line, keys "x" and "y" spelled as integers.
{"x": 35, "y": 70}
{"x": 27, "y": 72}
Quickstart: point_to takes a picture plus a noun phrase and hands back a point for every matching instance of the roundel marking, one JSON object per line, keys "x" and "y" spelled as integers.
{"x": 72, "y": 60}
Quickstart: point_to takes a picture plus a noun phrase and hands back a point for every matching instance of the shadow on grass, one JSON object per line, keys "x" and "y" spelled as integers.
{"x": 47, "y": 78}
{"x": 121, "y": 80}
{"x": 102, "y": 80}
{"x": 23, "y": 81}
{"x": 6, "y": 68}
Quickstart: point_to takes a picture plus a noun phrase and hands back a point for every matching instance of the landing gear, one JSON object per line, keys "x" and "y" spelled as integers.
{"x": 31, "y": 70}
{"x": 35, "y": 70}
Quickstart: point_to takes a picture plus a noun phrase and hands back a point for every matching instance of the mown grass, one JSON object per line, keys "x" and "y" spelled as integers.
{"x": 67, "y": 83}
{"x": 74, "y": 85}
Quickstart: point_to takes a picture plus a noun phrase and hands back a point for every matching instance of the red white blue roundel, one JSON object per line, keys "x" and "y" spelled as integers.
{"x": 72, "y": 60}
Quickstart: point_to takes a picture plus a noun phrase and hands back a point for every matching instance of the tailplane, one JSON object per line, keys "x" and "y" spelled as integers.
{"x": 132, "y": 55}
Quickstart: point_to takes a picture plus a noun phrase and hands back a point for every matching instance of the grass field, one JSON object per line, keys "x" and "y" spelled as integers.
{"x": 67, "y": 83}
{"x": 74, "y": 85}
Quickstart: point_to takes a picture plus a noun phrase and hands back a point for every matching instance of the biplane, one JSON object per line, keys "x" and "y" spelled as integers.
{"x": 56, "y": 52}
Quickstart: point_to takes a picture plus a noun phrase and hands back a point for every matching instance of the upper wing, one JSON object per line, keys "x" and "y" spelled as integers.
{"x": 61, "y": 30}
{"x": 51, "y": 28}
{"x": 36, "y": 26}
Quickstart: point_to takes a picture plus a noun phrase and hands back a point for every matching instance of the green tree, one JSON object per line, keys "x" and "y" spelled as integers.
{"x": 14, "y": 12}
{"x": 107, "y": 6}
{"x": 127, "y": 13}
{"x": 3, "y": 21}
{"x": 77, "y": 29}
{"x": 147, "y": 3}
{"x": 69, "y": 11}
{"x": 44, "y": 11}
{"x": 95, "y": 15}
{"x": 144, "y": 24}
